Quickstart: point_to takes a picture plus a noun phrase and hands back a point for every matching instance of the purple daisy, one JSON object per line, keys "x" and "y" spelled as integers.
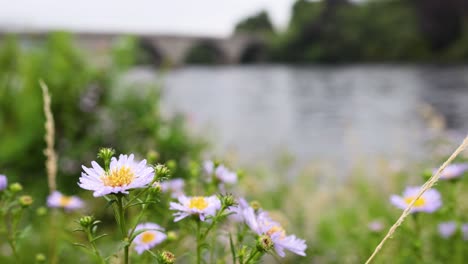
{"x": 69, "y": 203}
{"x": 375, "y": 226}
{"x": 453, "y": 171}
{"x": 464, "y": 229}
{"x": 224, "y": 175}
{"x": 148, "y": 239}
{"x": 261, "y": 224}
{"x": 447, "y": 229}
{"x": 175, "y": 187}
{"x": 236, "y": 212}
{"x": 208, "y": 167}
{"x": 220, "y": 172}
{"x": 429, "y": 202}
{"x": 197, "y": 205}
{"x": 3, "y": 182}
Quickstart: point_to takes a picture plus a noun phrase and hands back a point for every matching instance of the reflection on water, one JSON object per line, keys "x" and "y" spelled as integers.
{"x": 317, "y": 113}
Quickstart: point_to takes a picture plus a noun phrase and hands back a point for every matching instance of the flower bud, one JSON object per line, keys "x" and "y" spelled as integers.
{"x": 106, "y": 153}
{"x": 427, "y": 174}
{"x": 240, "y": 174}
{"x": 172, "y": 165}
{"x": 25, "y": 200}
{"x": 172, "y": 236}
{"x": 166, "y": 257}
{"x": 161, "y": 171}
{"x": 193, "y": 168}
{"x": 227, "y": 200}
{"x": 156, "y": 188}
{"x": 41, "y": 211}
{"x": 86, "y": 221}
{"x": 264, "y": 243}
{"x": 242, "y": 252}
{"x": 16, "y": 187}
{"x": 152, "y": 156}
{"x": 255, "y": 205}
{"x": 40, "y": 258}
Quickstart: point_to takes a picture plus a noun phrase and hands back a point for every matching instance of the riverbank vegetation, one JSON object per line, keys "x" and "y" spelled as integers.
{"x": 342, "y": 31}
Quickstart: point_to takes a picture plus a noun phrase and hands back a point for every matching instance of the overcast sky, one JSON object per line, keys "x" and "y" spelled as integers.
{"x": 199, "y": 17}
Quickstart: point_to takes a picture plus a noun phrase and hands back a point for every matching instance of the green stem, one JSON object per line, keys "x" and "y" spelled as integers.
{"x": 136, "y": 197}
{"x": 241, "y": 234}
{"x": 199, "y": 241}
{"x": 252, "y": 255}
{"x": 93, "y": 245}
{"x": 126, "y": 254}
{"x": 454, "y": 199}
{"x": 143, "y": 208}
{"x": 11, "y": 230}
{"x": 213, "y": 223}
{"x": 121, "y": 222}
{"x": 12, "y": 243}
{"x": 417, "y": 238}
{"x": 213, "y": 249}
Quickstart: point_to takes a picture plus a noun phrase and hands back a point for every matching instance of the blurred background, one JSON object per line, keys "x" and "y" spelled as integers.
{"x": 263, "y": 82}
{"x": 335, "y": 84}
{"x": 328, "y": 107}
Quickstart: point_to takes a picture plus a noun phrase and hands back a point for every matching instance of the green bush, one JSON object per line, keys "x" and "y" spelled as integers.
{"x": 87, "y": 112}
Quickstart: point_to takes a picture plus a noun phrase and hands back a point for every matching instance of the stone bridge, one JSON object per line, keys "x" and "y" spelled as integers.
{"x": 178, "y": 50}
{"x": 171, "y": 49}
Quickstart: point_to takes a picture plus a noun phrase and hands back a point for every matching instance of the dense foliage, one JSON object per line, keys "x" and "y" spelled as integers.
{"x": 90, "y": 103}
{"x": 259, "y": 23}
{"x": 331, "y": 31}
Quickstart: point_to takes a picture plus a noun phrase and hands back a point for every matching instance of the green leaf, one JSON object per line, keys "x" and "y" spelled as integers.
{"x": 233, "y": 251}
{"x": 81, "y": 245}
{"x": 98, "y": 237}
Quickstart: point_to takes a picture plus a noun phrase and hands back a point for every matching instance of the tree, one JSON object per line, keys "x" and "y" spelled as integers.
{"x": 258, "y": 23}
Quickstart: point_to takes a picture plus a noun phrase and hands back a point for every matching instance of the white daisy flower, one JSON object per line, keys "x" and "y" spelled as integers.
{"x": 69, "y": 203}
{"x": 124, "y": 174}
{"x": 262, "y": 224}
{"x": 149, "y": 238}
{"x": 197, "y": 205}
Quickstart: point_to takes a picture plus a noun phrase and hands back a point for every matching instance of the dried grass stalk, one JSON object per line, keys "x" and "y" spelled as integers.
{"x": 433, "y": 180}
{"x": 49, "y": 152}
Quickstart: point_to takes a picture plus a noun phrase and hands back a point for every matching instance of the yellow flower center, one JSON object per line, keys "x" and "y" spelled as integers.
{"x": 119, "y": 177}
{"x": 64, "y": 201}
{"x": 276, "y": 229}
{"x": 198, "y": 203}
{"x": 147, "y": 237}
{"x": 419, "y": 202}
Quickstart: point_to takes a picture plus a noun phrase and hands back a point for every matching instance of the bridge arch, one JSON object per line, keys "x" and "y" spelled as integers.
{"x": 253, "y": 52}
{"x": 205, "y": 52}
{"x": 150, "y": 53}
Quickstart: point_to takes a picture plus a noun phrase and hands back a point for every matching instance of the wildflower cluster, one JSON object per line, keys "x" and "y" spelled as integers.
{"x": 13, "y": 205}
{"x": 126, "y": 184}
{"x": 431, "y": 202}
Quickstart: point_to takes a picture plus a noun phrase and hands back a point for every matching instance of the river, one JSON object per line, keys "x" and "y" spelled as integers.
{"x": 336, "y": 114}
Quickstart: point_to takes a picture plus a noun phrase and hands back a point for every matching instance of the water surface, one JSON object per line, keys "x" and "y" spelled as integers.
{"x": 318, "y": 113}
